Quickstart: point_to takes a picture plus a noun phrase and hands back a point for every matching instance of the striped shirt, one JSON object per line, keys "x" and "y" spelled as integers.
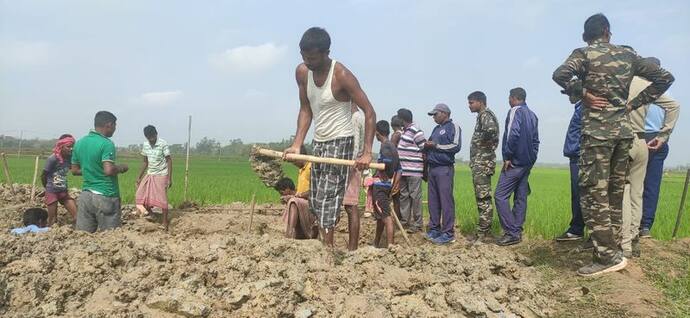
{"x": 410, "y": 151}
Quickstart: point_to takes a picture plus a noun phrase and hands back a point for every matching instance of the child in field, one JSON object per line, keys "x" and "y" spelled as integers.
{"x": 397, "y": 125}
{"x": 301, "y": 223}
{"x": 35, "y": 220}
{"x": 383, "y": 183}
{"x": 54, "y": 179}
{"x": 152, "y": 187}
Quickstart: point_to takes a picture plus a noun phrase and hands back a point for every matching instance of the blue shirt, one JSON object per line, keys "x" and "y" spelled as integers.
{"x": 446, "y": 136}
{"x": 389, "y": 156}
{"x": 571, "y": 146}
{"x": 29, "y": 229}
{"x": 521, "y": 141}
{"x": 655, "y": 119}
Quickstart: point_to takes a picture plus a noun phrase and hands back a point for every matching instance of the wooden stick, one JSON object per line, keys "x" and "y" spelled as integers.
{"x": 186, "y": 164}
{"x": 397, "y": 221}
{"x": 242, "y": 209}
{"x": 296, "y": 157}
{"x": 33, "y": 182}
{"x": 682, "y": 203}
{"x": 251, "y": 213}
{"x": 6, "y": 168}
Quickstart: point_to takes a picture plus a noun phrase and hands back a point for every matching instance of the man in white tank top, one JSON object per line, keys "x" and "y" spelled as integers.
{"x": 326, "y": 90}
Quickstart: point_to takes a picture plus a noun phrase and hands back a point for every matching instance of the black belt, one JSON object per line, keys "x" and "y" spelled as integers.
{"x": 640, "y": 135}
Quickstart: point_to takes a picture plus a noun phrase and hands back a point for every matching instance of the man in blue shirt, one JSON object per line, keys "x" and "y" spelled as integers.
{"x": 35, "y": 220}
{"x": 441, "y": 148}
{"x": 655, "y": 124}
{"x": 571, "y": 150}
{"x": 520, "y": 148}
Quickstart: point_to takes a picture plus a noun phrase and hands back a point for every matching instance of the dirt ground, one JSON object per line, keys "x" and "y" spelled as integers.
{"x": 210, "y": 264}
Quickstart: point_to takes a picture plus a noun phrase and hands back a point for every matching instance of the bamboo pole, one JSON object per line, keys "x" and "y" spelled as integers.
{"x": 300, "y": 157}
{"x": 33, "y": 182}
{"x": 186, "y": 164}
{"x": 682, "y": 203}
{"x": 6, "y": 168}
{"x": 251, "y": 213}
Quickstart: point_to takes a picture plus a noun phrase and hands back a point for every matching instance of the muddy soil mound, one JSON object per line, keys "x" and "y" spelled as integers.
{"x": 208, "y": 266}
{"x": 14, "y": 194}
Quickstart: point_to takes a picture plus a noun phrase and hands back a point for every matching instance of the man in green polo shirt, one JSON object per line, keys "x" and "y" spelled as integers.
{"x": 93, "y": 157}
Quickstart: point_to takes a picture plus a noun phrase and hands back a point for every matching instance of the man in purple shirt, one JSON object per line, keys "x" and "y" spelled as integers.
{"x": 520, "y": 148}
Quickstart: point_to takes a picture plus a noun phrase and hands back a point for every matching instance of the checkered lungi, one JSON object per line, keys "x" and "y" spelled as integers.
{"x": 328, "y": 181}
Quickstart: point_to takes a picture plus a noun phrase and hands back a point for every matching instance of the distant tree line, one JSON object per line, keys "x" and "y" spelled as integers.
{"x": 205, "y": 146}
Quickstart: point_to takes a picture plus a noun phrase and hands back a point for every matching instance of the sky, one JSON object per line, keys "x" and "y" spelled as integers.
{"x": 231, "y": 64}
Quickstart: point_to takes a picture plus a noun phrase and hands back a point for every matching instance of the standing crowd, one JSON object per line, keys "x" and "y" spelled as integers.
{"x": 616, "y": 142}
{"x": 93, "y": 158}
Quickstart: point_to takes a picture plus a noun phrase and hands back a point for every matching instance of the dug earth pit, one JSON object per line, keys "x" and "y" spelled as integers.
{"x": 207, "y": 266}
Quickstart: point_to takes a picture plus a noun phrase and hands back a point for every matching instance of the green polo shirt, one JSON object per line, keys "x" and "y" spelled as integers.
{"x": 89, "y": 153}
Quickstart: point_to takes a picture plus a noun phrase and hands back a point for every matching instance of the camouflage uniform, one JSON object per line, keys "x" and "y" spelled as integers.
{"x": 606, "y": 70}
{"x": 483, "y": 164}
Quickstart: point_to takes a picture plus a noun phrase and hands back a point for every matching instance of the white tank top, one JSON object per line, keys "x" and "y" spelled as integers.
{"x": 332, "y": 118}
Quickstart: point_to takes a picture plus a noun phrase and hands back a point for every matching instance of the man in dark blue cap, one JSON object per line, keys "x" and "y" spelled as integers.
{"x": 441, "y": 148}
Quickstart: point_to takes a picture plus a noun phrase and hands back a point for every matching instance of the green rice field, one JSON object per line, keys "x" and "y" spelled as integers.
{"x": 214, "y": 181}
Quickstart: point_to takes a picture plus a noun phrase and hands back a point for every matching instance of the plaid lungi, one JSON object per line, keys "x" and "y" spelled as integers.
{"x": 328, "y": 181}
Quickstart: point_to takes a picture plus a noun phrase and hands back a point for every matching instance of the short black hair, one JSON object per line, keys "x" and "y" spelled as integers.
{"x": 33, "y": 216}
{"x": 397, "y": 122}
{"x": 478, "y": 96}
{"x": 284, "y": 184}
{"x": 315, "y": 38}
{"x": 405, "y": 115}
{"x": 150, "y": 131}
{"x": 595, "y": 27}
{"x": 383, "y": 128}
{"x": 63, "y": 136}
{"x": 519, "y": 93}
{"x": 103, "y": 117}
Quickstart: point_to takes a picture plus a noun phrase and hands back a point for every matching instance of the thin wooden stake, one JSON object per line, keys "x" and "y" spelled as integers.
{"x": 186, "y": 164}
{"x": 6, "y": 168}
{"x": 682, "y": 203}
{"x": 33, "y": 182}
{"x": 251, "y": 213}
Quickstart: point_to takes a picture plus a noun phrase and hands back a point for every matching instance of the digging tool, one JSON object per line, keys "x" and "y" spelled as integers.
{"x": 251, "y": 213}
{"x": 6, "y": 168}
{"x": 400, "y": 227}
{"x": 33, "y": 182}
{"x": 314, "y": 159}
{"x": 682, "y": 203}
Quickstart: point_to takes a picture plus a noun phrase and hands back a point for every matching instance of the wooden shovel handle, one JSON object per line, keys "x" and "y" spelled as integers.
{"x": 335, "y": 161}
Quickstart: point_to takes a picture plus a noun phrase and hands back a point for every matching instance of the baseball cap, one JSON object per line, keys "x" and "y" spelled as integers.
{"x": 440, "y": 108}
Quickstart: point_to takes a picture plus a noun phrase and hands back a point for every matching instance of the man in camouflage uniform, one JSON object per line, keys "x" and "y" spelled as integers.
{"x": 483, "y": 160}
{"x": 600, "y": 74}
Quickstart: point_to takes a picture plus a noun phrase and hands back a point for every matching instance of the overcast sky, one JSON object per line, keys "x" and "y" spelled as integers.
{"x": 230, "y": 64}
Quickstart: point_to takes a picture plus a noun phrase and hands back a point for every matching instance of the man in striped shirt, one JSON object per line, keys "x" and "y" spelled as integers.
{"x": 410, "y": 151}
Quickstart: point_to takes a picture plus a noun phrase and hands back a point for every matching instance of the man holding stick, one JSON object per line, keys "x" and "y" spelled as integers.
{"x": 327, "y": 90}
